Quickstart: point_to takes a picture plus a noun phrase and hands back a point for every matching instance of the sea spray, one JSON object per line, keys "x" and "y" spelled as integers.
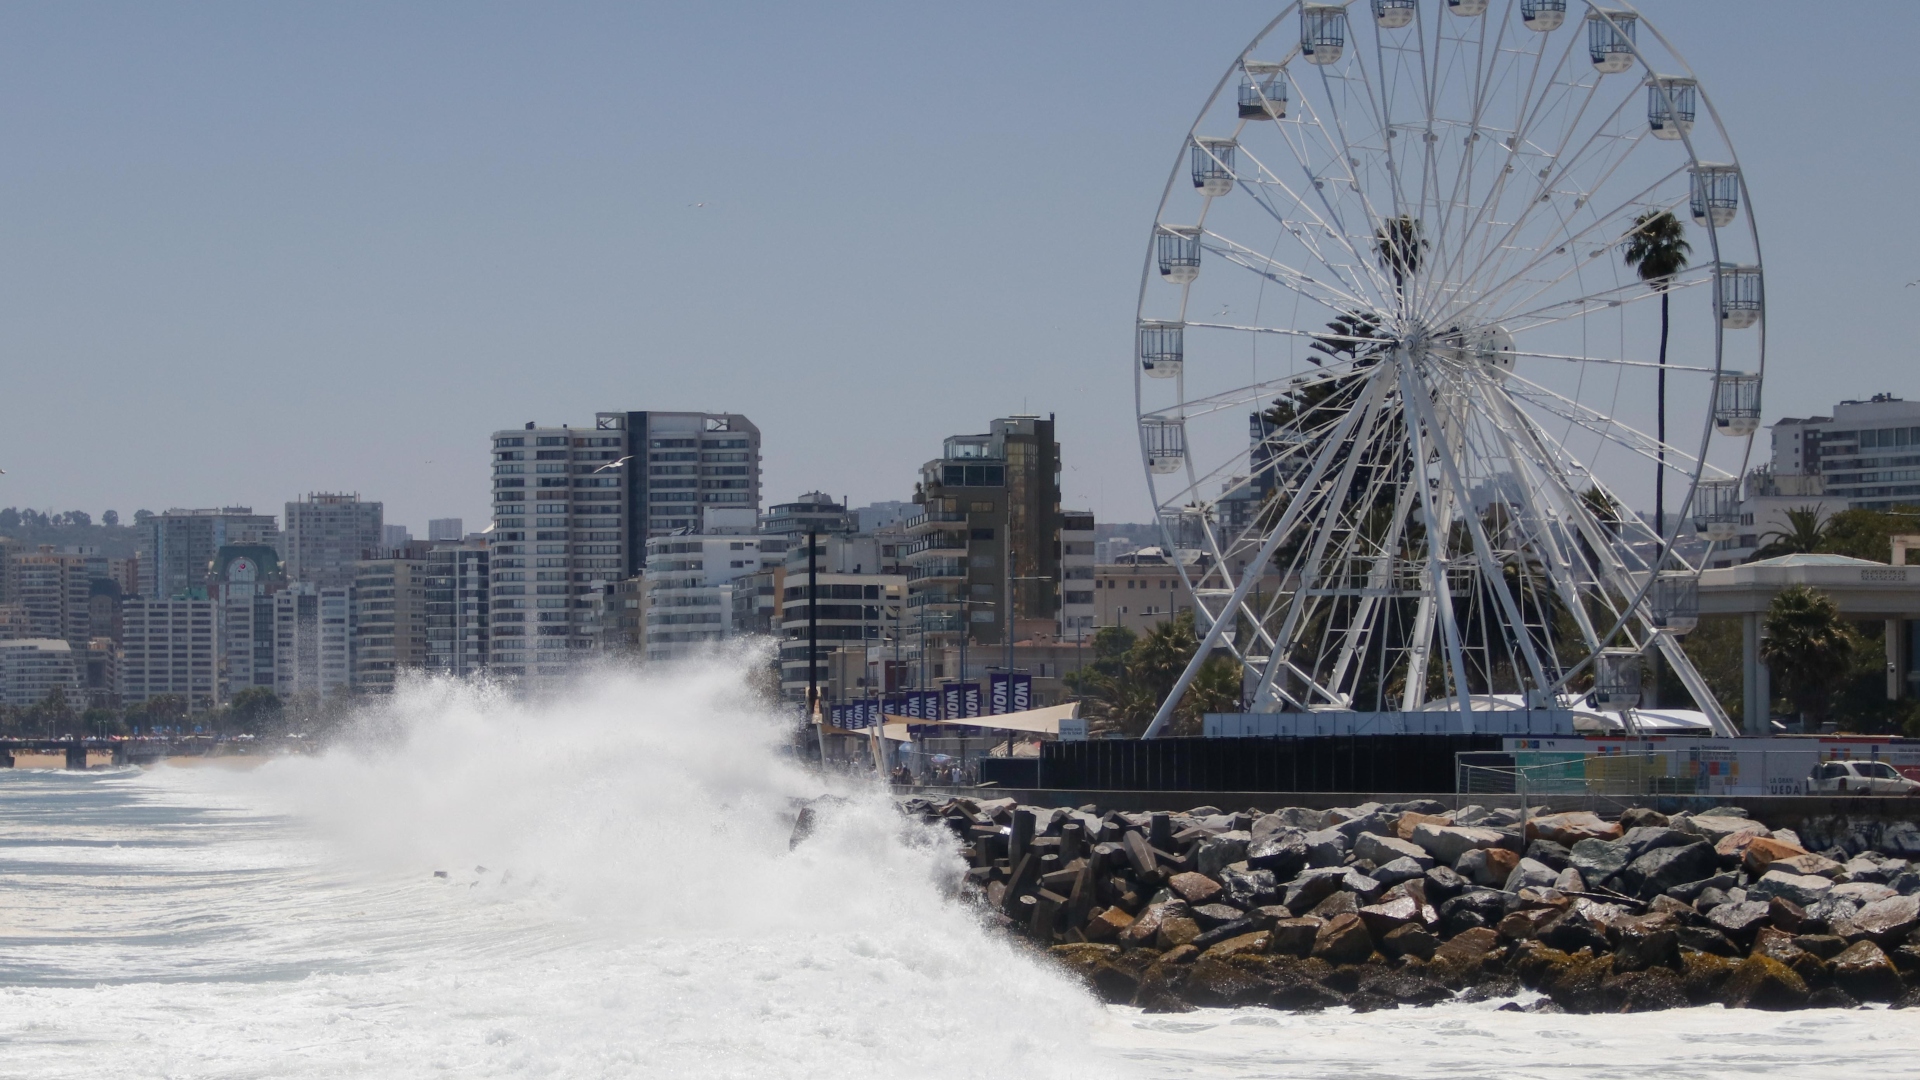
{"x": 619, "y": 899}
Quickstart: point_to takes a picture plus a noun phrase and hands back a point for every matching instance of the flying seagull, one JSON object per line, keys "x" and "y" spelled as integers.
{"x": 614, "y": 464}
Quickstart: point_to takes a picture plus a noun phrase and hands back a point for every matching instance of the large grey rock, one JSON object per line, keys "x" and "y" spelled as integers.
{"x": 1803, "y": 889}
{"x": 1446, "y": 843}
{"x": 1375, "y": 824}
{"x": 1889, "y": 920}
{"x": 1362, "y": 885}
{"x": 1246, "y": 888}
{"x": 1715, "y": 826}
{"x": 1266, "y": 825}
{"x": 1740, "y": 922}
{"x": 1216, "y": 853}
{"x": 1653, "y": 837}
{"x": 1397, "y": 871}
{"x": 1874, "y": 867}
{"x": 1863, "y": 892}
{"x": 1557, "y": 856}
{"x": 1305, "y": 892}
{"x": 1665, "y": 867}
{"x": 1597, "y": 860}
{"x": 1693, "y": 890}
{"x": 1381, "y": 850}
{"x": 1471, "y": 814}
{"x": 1532, "y": 873}
{"x": 1299, "y": 817}
{"x": 1831, "y": 909}
{"x": 1283, "y": 852}
{"x": 1442, "y": 884}
{"x": 1328, "y": 847}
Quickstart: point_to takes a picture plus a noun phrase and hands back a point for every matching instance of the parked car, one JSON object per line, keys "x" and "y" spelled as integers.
{"x": 1859, "y": 778}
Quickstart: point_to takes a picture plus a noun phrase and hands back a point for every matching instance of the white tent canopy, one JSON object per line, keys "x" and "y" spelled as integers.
{"x": 1038, "y": 721}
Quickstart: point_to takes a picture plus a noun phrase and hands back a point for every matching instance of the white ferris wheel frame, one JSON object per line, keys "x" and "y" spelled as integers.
{"x": 1359, "y": 284}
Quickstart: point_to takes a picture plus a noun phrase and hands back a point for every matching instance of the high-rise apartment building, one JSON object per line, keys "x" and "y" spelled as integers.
{"x": 1078, "y": 608}
{"x": 574, "y": 507}
{"x": 170, "y": 648}
{"x": 390, "y": 619}
{"x": 836, "y": 603}
{"x": 176, "y": 548}
{"x": 313, "y": 640}
{"x": 457, "y": 584}
{"x": 245, "y": 578}
{"x": 327, "y": 534}
{"x": 32, "y": 668}
{"x": 55, "y": 592}
{"x": 445, "y": 530}
{"x": 988, "y": 534}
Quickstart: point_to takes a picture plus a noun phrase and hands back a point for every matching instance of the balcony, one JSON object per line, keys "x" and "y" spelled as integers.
{"x": 947, "y": 569}
{"x": 920, "y": 600}
{"x": 936, "y": 542}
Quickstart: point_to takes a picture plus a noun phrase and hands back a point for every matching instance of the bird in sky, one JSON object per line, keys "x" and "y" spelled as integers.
{"x": 614, "y": 464}
{"x": 1911, "y": 284}
{"x": 696, "y": 205}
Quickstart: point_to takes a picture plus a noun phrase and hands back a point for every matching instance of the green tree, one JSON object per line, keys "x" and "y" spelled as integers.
{"x": 254, "y": 709}
{"x": 1657, "y": 249}
{"x": 1806, "y": 532}
{"x": 1867, "y": 534}
{"x": 1809, "y": 647}
{"x": 1130, "y": 676}
{"x": 1401, "y": 247}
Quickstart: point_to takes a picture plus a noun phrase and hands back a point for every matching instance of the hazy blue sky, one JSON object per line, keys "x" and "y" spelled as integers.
{"x": 253, "y": 250}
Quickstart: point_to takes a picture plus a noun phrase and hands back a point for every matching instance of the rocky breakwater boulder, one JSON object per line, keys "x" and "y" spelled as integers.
{"x": 1385, "y": 906}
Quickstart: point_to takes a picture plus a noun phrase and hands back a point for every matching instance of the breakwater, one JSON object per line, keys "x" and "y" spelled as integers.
{"x": 1412, "y": 903}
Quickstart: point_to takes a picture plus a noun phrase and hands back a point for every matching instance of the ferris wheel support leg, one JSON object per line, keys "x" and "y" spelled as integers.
{"x": 1251, "y": 575}
{"x": 1696, "y": 686}
{"x": 1437, "y": 589}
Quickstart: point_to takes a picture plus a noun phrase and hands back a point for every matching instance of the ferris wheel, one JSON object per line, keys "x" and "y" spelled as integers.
{"x": 1437, "y": 290}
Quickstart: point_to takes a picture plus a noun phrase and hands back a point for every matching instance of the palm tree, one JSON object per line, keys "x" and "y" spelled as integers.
{"x": 1809, "y": 645}
{"x": 1806, "y": 532}
{"x": 1657, "y": 248}
{"x": 1400, "y": 245}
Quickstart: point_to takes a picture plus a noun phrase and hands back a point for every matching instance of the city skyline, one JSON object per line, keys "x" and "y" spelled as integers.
{"x": 371, "y": 227}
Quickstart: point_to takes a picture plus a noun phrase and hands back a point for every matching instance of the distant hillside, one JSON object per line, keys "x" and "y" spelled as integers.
{"x": 32, "y": 528}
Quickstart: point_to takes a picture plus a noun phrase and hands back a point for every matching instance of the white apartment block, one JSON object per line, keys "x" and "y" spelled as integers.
{"x": 689, "y": 582}
{"x": 32, "y": 668}
{"x": 457, "y": 584}
{"x": 574, "y": 508}
{"x": 1867, "y": 454}
{"x": 1079, "y": 613}
{"x": 326, "y": 534}
{"x": 313, "y": 640}
{"x": 170, "y": 647}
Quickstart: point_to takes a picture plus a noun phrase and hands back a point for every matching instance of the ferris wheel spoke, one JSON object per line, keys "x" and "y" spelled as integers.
{"x": 1333, "y": 299}
{"x": 1253, "y": 394}
{"x": 1625, "y": 295}
{"x": 1610, "y": 361}
{"x": 1561, "y": 244}
{"x": 1561, "y": 170}
{"x": 1329, "y": 223}
{"x": 1620, "y": 434}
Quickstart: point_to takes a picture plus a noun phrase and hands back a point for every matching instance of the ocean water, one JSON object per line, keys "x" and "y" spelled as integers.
{"x": 620, "y": 899}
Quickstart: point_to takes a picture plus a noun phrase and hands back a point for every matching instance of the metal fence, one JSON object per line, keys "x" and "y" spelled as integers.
{"x": 1706, "y": 767}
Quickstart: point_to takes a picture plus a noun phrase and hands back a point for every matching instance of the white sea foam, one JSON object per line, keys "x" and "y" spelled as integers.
{"x": 621, "y": 901}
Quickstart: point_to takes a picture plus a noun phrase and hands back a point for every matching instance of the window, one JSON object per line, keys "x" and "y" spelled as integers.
{"x": 980, "y": 534}
{"x": 550, "y": 440}
{"x": 982, "y": 507}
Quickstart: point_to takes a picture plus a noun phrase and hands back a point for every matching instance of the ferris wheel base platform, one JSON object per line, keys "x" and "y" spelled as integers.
{"x": 1537, "y": 722}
